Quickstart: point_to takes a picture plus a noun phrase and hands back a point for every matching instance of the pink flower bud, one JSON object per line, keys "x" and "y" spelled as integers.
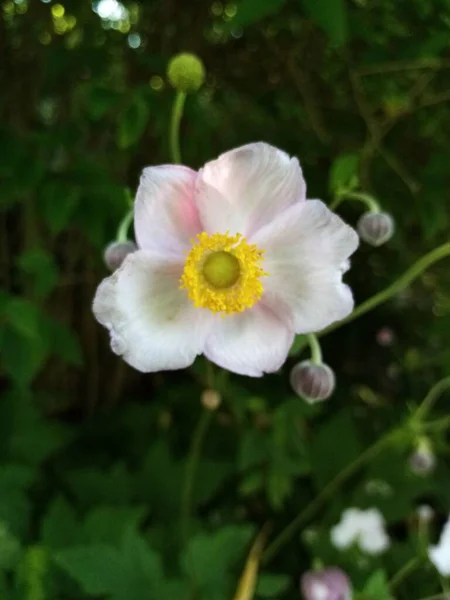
{"x": 312, "y": 382}
{"x": 375, "y": 228}
{"x": 327, "y": 584}
{"x": 116, "y": 253}
{"x": 385, "y": 336}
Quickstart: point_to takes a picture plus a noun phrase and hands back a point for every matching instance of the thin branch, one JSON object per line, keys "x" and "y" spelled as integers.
{"x": 396, "y": 66}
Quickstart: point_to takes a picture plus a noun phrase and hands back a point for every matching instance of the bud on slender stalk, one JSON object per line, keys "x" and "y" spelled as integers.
{"x": 312, "y": 382}
{"x": 422, "y": 461}
{"x": 211, "y": 399}
{"x": 186, "y": 72}
{"x": 326, "y": 584}
{"x": 116, "y": 253}
{"x": 375, "y": 228}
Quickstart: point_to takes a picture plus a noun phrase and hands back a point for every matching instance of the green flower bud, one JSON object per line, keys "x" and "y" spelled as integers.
{"x": 186, "y": 72}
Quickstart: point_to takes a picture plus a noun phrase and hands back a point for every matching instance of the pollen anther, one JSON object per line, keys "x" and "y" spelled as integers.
{"x": 222, "y": 273}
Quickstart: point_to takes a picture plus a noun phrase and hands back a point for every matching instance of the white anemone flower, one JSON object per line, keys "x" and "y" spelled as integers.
{"x": 439, "y": 554}
{"x": 365, "y": 528}
{"x": 233, "y": 261}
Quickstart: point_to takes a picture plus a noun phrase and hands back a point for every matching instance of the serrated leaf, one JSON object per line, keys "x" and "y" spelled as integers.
{"x": 97, "y": 568}
{"x": 377, "y": 587}
{"x": 59, "y": 526}
{"x": 271, "y": 585}
{"x": 108, "y": 524}
{"x": 329, "y": 458}
{"x": 133, "y": 122}
{"x": 331, "y": 16}
{"x": 58, "y": 202}
{"x": 93, "y": 486}
{"x": 62, "y": 341}
{"x": 40, "y": 266}
{"x": 212, "y": 556}
{"x": 344, "y": 172}
{"x": 15, "y": 505}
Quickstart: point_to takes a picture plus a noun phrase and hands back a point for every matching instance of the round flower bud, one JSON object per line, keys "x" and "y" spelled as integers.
{"x": 211, "y": 399}
{"x": 312, "y": 382}
{"x": 186, "y": 72}
{"x": 116, "y": 253}
{"x": 327, "y": 584}
{"x": 385, "y": 336}
{"x": 422, "y": 461}
{"x": 425, "y": 513}
{"x": 375, "y": 228}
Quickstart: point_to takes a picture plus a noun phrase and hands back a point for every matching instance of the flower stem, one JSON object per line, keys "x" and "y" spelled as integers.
{"x": 366, "y": 199}
{"x": 191, "y": 471}
{"x": 405, "y": 572}
{"x": 401, "y": 283}
{"x": 316, "y": 352}
{"x": 177, "y": 113}
{"x": 433, "y": 395}
{"x": 327, "y": 492}
{"x": 122, "y": 232}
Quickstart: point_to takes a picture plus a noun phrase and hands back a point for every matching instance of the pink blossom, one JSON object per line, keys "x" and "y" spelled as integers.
{"x": 233, "y": 261}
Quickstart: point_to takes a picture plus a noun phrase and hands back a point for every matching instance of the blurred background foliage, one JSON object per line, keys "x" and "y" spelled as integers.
{"x": 92, "y": 454}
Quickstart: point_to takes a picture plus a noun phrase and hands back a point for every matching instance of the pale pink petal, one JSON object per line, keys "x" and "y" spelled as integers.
{"x": 152, "y": 323}
{"x": 246, "y": 188}
{"x": 249, "y": 343}
{"x": 306, "y": 253}
{"x": 165, "y": 214}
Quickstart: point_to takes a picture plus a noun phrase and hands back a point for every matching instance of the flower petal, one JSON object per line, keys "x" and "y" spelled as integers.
{"x": 246, "y": 188}
{"x": 152, "y": 323}
{"x": 249, "y": 343}
{"x": 306, "y": 252}
{"x": 165, "y": 214}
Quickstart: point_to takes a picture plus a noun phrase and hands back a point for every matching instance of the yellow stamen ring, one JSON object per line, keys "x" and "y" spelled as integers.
{"x": 222, "y": 273}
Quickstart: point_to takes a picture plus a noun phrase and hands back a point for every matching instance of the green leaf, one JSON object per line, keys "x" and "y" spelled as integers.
{"x": 93, "y": 486}
{"x": 212, "y": 556}
{"x": 22, "y": 356}
{"x": 15, "y": 505}
{"x": 22, "y": 315}
{"x": 100, "y": 101}
{"x": 160, "y": 479}
{"x": 28, "y": 436}
{"x": 377, "y": 587}
{"x": 251, "y": 11}
{"x": 108, "y": 524}
{"x": 344, "y": 172}
{"x": 133, "y": 121}
{"x": 97, "y": 568}
{"x": 58, "y": 201}
{"x": 329, "y": 457}
{"x": 60, "y": 527}
{"x": 39, "y": 265}
{"x": 62, "y": 341}
{"x": 271, "y": 585}
{"x": 300, "y": 342}
{"x": 331, "y": 16}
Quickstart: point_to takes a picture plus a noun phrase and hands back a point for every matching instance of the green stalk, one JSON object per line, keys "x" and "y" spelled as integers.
{"x": 327, "y": 492}
{"x": 122, "y": 232}
{"x": 392, "y": 290}
{"x": 316, "y": 352}
{"x": 369, "y": 201}
{"x": 177, "y": 113}
{"x": 191, "y": 471}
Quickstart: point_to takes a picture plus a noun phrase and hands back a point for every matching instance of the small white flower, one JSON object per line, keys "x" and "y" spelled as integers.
{"x": 439, "y": 555}
{"x": 366, "y": 528}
